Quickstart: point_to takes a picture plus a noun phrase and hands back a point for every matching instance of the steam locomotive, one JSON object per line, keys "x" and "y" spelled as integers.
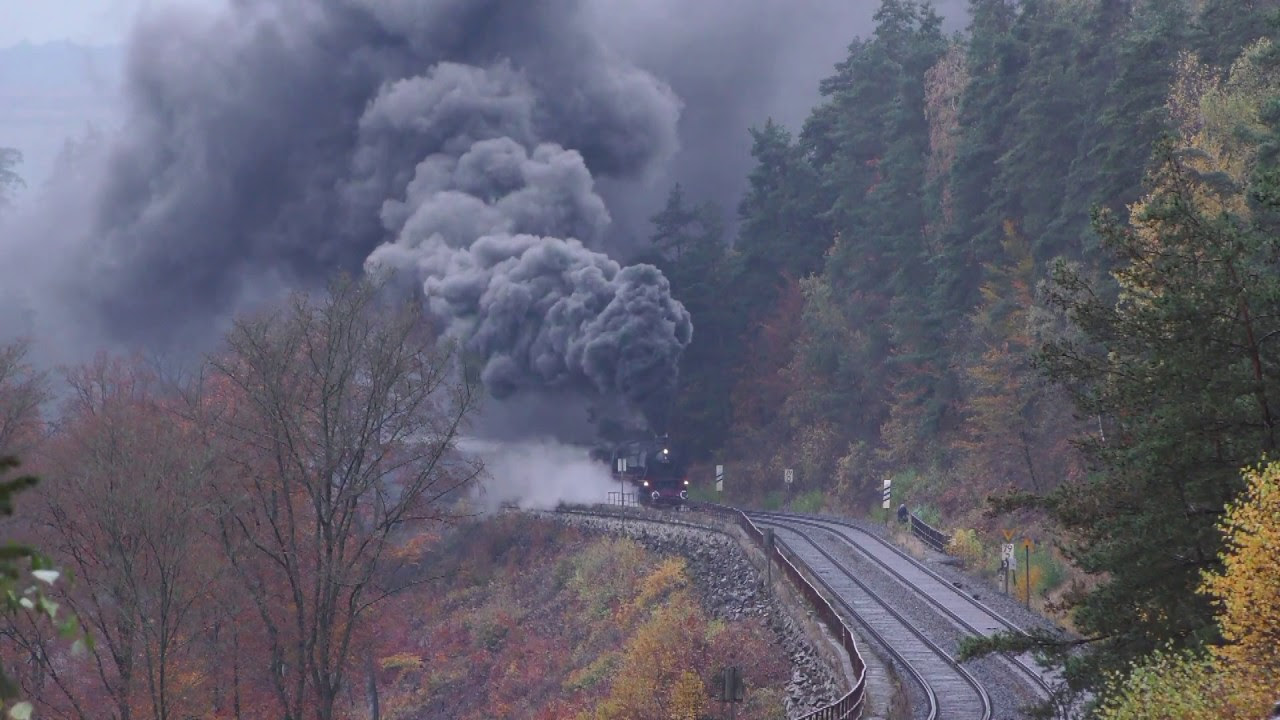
{"x": 652, "y": 468}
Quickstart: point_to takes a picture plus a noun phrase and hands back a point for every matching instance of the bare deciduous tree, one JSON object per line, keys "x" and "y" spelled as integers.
{"x": 336, "y": 418}
{"x": 122, "y": 511}
{"x": 22, "y": 390}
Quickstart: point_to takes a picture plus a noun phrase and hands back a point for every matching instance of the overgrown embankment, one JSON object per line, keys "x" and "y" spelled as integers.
{"x": 535, "y": 619}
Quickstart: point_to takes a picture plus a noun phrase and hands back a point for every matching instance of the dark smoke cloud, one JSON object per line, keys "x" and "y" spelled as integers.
{"x": 491, "y": 150}
{"x": 299, "y": 135}
{"x": 497, "y": 225}
{"x": 243, "y": 146}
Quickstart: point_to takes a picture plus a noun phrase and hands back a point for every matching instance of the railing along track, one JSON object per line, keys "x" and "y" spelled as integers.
{"x": 952, "y": 692}
{"x": 849, "y": 706}
{"x": 977, "y": 618}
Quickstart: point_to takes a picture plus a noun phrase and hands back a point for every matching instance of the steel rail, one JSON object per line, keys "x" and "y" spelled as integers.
{"x": 928, "y": 678}
{"x": 1036, "y": 678}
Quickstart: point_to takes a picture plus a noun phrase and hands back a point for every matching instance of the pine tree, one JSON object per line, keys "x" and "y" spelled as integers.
{"x": 1236, "y": 680}
{"x": 10, "y": 180}
{"x": 1183, "y": 381}
{"x": 870, "y": 142}
{"x": 1126, "y": 73}
{"x": 995, "y": 59}
{"x": 780, "y": 233}
{"x": 693, "y": 256}
{"x": 1223, "y": 28}
{"x": 1132, "y": 115}
{"x": 1264, "y": 191}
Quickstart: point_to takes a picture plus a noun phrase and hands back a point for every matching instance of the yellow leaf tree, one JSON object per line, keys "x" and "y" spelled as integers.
{"x": 1235, "y": 680}
{"x": 1248, "y": 592}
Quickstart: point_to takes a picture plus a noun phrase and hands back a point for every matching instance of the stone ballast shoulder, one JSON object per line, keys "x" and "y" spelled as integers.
{"x": 729, "y": 587}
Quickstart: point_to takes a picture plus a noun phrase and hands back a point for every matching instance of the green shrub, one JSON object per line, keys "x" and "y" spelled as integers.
{"x": 705, "y": 493}
{"x": 928, "y": 513}
{"x": 773, "y": 500}
{"x": 587, "y": 678}
{"x": 1053, "y": 572}
{"x": 809, "y": 502}
{"x": 966, "y": 546}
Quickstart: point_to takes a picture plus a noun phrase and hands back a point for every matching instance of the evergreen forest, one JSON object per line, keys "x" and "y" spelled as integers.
{"x": 1028, "y": 274}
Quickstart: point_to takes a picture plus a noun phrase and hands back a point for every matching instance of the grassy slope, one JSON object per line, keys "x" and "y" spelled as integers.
{"x": 536, "y": 620}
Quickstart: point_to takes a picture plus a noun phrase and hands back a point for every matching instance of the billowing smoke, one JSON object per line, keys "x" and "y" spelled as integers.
{"x": 497, "y": 225}
{"x": 455, "y": 140}
{"x": 537, "y": 475}
{"x": 493, "y": 150}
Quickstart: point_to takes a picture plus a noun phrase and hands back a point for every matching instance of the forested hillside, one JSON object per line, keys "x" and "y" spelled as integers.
{"x": 1029, "y": 274}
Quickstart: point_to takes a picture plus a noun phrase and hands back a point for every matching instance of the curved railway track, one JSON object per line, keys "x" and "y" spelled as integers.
{"x": 966, "y": 612}
{"x": 952, "y": 693}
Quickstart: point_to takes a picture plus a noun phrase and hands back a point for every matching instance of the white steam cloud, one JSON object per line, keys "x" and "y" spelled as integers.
{"x": 537, "y": 474}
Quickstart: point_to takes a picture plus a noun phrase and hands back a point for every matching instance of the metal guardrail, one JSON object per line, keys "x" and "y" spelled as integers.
{"x": 850, "y": 706}
{"x": 928, "y": 534}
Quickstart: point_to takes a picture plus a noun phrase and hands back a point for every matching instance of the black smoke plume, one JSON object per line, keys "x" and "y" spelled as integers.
{"x": 454, "y": 141}
{"x": 267, "y": 145}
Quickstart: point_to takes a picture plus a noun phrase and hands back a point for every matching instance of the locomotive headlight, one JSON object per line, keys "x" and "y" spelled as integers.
{"x": 665, "y": 451}
{"x": 646, "y": 483}
{"x": 686, "y": 482}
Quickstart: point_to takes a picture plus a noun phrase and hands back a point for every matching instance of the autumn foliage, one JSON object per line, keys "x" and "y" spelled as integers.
{"x": 1235, "y": 680}
{"x": 269, "y": 537}
{"x": 231, "y": 533}
{"x": 535, "y": 620}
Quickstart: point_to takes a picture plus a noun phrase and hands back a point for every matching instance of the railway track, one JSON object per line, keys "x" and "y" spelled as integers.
{"x": 951, "y": 691}
{"x": 966, "y": 612}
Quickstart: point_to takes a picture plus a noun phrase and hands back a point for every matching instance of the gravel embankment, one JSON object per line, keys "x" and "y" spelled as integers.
{"x": 730, "y": 588}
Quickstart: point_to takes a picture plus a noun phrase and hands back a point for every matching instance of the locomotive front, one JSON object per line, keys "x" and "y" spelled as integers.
{"x": 665, "y": 483}
{"x": 654, "y": 469}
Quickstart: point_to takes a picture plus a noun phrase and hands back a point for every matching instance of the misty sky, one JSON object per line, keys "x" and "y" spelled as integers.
{"x": 48, "y": 98}
{"x": 92, "y": 22}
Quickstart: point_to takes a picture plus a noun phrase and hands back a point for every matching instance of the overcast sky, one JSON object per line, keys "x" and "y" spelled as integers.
{"x": 93, "y": 22}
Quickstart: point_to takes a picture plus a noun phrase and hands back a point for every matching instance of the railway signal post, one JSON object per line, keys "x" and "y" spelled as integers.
{"x": 788, "y": 477}
{"x": 1026, "y": 545}
{"x": 1008, "y": 558}
{"x": 622, "y": 483}
{"x": 1008, "y": 561}
{"x": 768, "y": 558}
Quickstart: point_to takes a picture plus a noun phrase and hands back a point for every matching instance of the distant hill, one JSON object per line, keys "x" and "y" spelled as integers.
{"x": 52, "y": 91}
